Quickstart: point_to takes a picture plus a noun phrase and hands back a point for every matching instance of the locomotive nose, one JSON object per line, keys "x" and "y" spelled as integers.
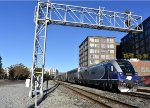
{"x": 127, "y": 86}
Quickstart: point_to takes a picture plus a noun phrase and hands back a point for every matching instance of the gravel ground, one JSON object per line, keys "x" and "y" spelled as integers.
{"x": 139, "y": 102}
{"x": 16, "y": 96}
{"x": 64, "y": 98}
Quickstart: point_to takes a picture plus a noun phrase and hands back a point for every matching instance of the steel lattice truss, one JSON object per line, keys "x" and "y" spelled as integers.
{"x": 68, "y": 15}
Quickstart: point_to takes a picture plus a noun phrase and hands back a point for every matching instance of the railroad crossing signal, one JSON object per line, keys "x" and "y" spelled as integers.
{"x": 47, "y": 13}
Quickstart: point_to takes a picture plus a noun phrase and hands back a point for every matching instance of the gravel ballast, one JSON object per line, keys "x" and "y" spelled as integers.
{"x": 16, "y": 96}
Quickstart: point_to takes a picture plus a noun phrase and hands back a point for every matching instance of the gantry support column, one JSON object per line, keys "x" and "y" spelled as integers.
{"x": 38, "y": 63}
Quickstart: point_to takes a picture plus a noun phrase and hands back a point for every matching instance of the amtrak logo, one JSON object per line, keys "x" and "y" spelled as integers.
{"x": 129, "y": 77}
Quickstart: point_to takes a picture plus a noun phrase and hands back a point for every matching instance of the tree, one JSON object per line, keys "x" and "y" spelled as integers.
{"x": 18, "y": 71}
{"x": 139, "y": 56}
{"x": 1, "y": 69}
{"x": 145, "y": 56}
{"x": 125, "y": 56}
{"x": 0, "y": 62}
{"x": 131, "y": 55}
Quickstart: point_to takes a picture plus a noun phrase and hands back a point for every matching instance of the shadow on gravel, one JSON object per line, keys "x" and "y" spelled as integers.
{"x": 46, "y": 93}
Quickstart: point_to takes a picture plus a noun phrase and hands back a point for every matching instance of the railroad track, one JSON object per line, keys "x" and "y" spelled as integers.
{"x": 138, "y": 95}
{"x": 143, "y": 90}
{"x": 97, "y": 97}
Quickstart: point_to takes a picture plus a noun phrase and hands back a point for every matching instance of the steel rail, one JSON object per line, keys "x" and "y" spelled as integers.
{"x": 108, "y": 102}
{"x": 138, "y": 95}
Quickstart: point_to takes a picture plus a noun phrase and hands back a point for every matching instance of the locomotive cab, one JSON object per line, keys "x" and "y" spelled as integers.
{"x": 127, "y": 77}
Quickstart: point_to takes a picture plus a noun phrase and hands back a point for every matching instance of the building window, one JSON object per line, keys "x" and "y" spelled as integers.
{"x": 111, "y": 40}
{"x": 102, "y": 56}
{"x": 85, "y": 52}
{"x": 96, "y": 56}
{"x": 96, "y": 40}
{"x": 96, "y": 61}
{"x": 142, "y": 49}
{"x": 137, "y": 51}
{"x": 137, "y": 45}
{"x": 86, "y": 43}
{"x": 112, "y": 51}
{"x": 85, "y": 63}
{"x": 92, "y": 56}
{"x": 91, "y": 39}
{"x": 85, "y": 57}
{"x": 103, "y": 51}
{"x": 91, "y": 61}
{"x": 111, "y": 45}
{"x": 103, "y": 45}
{"x": 96, "y": 51}
{"x": 107, "y": 57}
{"x": 91, "y": 45}
{"x": 103, "y": 40}
{"x": 141, "y": 36}
{"x": 148, "y": 31}
{"x": 145, "y": 32}
{"x": 107, "y": 51}
{"x": 142, "y": 43}
{"x": 107, "y": 40}
{"x": 85, "y": 47}
{"x": 148, "y": 23}
{"x": 111, "y": 57}
{"x": 108, "y": 46}
{"x": 91, "y": 50}
{"x": 97, "y": 45}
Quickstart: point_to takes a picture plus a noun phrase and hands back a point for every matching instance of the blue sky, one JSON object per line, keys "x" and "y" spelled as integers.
{"x": 17, "y": 32}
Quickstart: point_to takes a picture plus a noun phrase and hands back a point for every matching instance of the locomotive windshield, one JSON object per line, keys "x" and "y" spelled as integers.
{"x": 126, "y": 67}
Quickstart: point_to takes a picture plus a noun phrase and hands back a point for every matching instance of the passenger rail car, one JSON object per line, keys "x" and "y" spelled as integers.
{"x": 114, "y": 75}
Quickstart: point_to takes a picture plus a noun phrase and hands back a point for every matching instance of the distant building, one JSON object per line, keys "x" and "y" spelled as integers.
{"x": 52, "y": 71}
{"x": 142, "y": 67}
{"x": 95, "y": 49}
{"x": 137, "y": 43}
{"x": 6, "y": 71}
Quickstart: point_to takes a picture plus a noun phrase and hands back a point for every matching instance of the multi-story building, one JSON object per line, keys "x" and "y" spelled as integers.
{"x": 118, "y": 51}
{"x": 142, "y": 67}
{"x": 52, "y": 71}
{"x": 95, "y": 49}
{"x": 137, "y": 43}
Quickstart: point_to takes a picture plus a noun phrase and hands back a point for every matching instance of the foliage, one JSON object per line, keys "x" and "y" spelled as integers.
{"x": 38, "y": 69}
{"x": 145, "y": 56}
{"x": 2, "y": 74}
{"x": 138, "y": 56}
{"x": 1, "y": 71}
{"x": 0, "y": 62}
{"x": 18, "y": 71}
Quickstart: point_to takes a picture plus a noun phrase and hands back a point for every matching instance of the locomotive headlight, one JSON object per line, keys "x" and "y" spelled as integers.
{"x": 120, "y": 73}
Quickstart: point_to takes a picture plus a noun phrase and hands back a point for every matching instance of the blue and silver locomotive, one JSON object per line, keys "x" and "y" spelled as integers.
{"x": 114, "y": 75}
